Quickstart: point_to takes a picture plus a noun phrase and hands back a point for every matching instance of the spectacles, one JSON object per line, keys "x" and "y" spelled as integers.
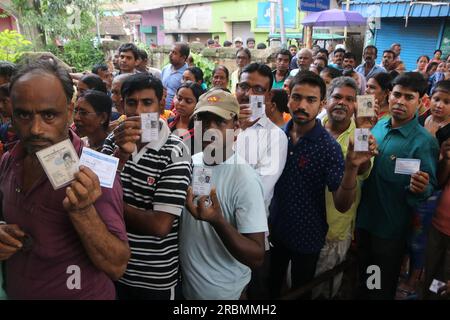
{"x": 256, "y": 89}
{"x": 82, "y": 113}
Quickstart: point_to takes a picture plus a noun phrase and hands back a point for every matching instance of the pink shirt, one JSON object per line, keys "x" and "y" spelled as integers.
{"x": 41, "y": 272}
{"x": 441, "y": 219}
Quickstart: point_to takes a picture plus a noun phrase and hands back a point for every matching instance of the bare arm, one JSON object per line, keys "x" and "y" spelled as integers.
{"x": 246, "y": 248}
{"x": 107, "y": 252}
{"x": 154, "y": 223}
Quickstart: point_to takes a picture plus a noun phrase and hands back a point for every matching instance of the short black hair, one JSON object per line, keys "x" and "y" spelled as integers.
{"x": 197, "y": 72}
{"x": 143, "y": 55}
{"x": 261, "y": 46}
{"x": 389, "y": 51}
{"x": 284, "y": 52}
{"x": 130, "y": 47}
{"x": 262, "y": 69}
{"x": 227, "y": 43}
{"x": 339, "y": 50}
{"x": 7, "y": 69}
{"x": 431, "y": 65}
{"x": 323, "y": 50}
{"x": 210, "y": 41}
{"x": 195, "y": 88}
{"x": 94, "y": 82}
{"x": 333, "y": 72}
{"x": 323, "y": 59}
{"x": 426, "y": 57}
{"x": 99, "y": 67}
{"x": 443, "y": 86}
{"x": 371, "y": 46}
{"x": 100, "y": 102}
{"x": 293, "y": 46}
{"x": 437, "y": 50}
{"x": 280, "y": 98}
{"x": 247, "y": 52}
{"x": 349, "y": 55}
{"x": 309, "y": 77}
{"x": 185, "y": 51}
{"x": 250, "y": 39}
{"x": 46, "y": 67}
{"x": 223, "y": 68}
{"x": 141, "y": 81}
{"x": 4, "y": 90}
{"x": 414, "y": 81}
{"x": 384, "y": 80}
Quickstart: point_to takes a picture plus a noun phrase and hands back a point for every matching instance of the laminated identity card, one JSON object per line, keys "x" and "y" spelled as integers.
{"x": 104, "y": 166}
{"x": 407, "y": 166}
{"x": 149, "y": 126}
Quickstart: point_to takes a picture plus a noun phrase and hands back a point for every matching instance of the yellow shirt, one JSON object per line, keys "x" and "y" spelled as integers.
{"x": 234, "y": 80}
{"x": 341, "y": 225}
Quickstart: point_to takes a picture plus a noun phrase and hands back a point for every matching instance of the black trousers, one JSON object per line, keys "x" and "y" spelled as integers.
{"x": 303, "y": 268}
{"x": 437, "y": 261}
{"x": 387, "y": 254}
{"x": 125, "y": 292}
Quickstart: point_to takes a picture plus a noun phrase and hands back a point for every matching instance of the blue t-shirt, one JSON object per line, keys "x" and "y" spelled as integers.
{"x": 209, "y": 270}
{"x": 298, "y": 213}
{"x": 171, "y": 80}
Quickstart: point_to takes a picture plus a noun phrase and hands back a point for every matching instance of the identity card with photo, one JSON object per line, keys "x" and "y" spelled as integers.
{"x": 149, "y": 126}
{"x": 60, "y": 163}
{"x": 366, "y": 105}
{"x": 201, "y": 181}
{"x": 361, "y": 140}
{"x": 104, "y": 166}
{"x": 436, "y": 285}
{"x": 407, "y": 166}
{"x": 258, "y": 107}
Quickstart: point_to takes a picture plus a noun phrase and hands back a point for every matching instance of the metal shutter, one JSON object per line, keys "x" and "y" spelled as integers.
{"x": 242, "y": 29}
{"x": 419, "y": 38}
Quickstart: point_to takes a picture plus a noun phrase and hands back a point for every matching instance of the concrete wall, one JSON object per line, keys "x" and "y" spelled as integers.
{"x": 196, "y": 18}
{"x": 154, "y": 18}
{"x": 219, "y": 56}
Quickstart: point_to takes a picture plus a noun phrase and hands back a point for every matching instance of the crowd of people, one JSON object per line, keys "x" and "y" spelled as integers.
{"x": 291, "y": 194}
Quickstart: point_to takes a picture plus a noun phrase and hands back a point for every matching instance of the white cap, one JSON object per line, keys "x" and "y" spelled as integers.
{"x": 238, "y": 39}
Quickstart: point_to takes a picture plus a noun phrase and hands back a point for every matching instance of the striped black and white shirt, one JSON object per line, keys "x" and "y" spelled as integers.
{"x": 155, "y": 178}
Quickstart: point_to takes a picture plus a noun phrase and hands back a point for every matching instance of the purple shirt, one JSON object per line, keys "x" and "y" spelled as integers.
{"x": 41, "y": 271}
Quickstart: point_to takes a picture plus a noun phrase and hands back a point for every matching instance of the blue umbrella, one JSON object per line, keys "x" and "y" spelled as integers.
{"x": 334, "y": 18}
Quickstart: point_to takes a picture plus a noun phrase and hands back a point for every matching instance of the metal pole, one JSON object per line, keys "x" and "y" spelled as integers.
{"x": 282, "y": 29}
{"x": 347, "y": 7}
{"x": 97, "y": 23}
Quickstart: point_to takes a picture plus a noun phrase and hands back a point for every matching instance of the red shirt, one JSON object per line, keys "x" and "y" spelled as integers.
{"x": 441, "y": 219}
{"x": 41, "y": 272}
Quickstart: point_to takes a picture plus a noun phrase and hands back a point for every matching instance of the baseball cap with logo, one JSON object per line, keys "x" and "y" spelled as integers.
{"x": 219, "y": 102}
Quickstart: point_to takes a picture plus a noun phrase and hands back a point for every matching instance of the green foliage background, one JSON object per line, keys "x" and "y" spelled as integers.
{"x": 12, "y": 45}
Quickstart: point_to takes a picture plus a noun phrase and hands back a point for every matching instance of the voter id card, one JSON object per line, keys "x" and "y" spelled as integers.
{"x": 201, "y": 181}
{"x": 149, "y": 126}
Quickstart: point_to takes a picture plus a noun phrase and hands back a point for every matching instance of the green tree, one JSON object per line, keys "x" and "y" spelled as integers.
{"x": 12, "y": 45}
{"x": 58, "y": 19}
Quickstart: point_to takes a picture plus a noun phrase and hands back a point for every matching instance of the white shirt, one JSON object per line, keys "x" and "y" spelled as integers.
{"x": 264, "y": 146}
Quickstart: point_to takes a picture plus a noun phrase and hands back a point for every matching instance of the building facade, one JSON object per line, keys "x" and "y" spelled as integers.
{"x": 420, "y": 27}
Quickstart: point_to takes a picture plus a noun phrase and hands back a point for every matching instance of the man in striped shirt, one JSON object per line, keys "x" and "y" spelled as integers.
{"x": 155, "y": 177}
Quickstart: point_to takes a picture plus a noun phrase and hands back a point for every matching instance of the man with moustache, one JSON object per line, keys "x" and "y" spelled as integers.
{"x": 338, "y": 59}
{"x": 264, "y": 146}
{"x": 369, "y": 68}
{"x": 340, "y": 108}
{"x": 172, "y": 74}
{"x": 50, "y": 235}
{"x": 314, "y": 162}
{"x": 388, "y": 198}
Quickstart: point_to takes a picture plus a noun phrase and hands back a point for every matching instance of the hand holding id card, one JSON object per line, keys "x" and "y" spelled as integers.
{"x": 407, "y": 166}
{"x": 149, "y": 126}
{"x": 104, "y": 166}
{"x": 361, "y": 142}
{"x": 60, "y": 163}
{"x": 366, "y": 105}
{"x": 258, "y": 107}
{"x": 201, "y": 181}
